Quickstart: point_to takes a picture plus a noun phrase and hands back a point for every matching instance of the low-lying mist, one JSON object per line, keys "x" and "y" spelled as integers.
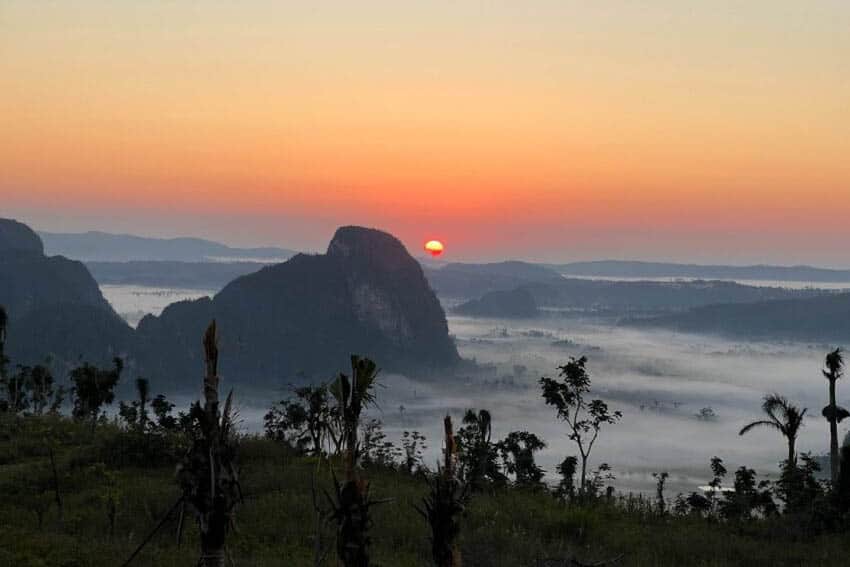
{"x": 659, "y": 380}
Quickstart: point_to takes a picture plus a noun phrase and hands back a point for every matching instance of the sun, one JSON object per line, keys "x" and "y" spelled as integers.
{"x": 434, "y": 247}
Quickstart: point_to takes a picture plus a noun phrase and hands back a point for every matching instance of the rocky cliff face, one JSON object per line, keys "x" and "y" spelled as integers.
{"x": 366, "y": 295}
{"x": 55, "y": 307}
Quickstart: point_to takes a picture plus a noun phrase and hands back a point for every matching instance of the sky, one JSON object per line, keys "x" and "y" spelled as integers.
{"x": 552, "y": 130}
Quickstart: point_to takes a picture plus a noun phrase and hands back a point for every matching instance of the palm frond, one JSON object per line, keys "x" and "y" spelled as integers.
{"x": 762, "y": 423}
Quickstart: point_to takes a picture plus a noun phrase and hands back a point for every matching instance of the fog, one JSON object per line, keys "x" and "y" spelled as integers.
{"x": 133, "y": 302}
{"x": 659, "y": 380}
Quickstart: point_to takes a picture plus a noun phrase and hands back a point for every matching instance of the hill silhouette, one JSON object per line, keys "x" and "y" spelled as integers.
{"x": 307, "y": 315}
{"x": 824, "y": 318}
{"x": 54, "y": 305}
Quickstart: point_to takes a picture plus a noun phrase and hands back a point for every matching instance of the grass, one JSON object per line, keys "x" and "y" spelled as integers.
{"x": 277, "y": 523}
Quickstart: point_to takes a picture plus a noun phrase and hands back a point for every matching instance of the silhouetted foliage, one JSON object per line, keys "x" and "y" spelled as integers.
{"x": 376, "y": 450}
{"x": 782, "y": 416}
{"x": 517, "y": 450}
{"x": 306, "y": 421}
{"x": 93, "y": 388}
{"x": 748, "y": 498}
{"x": 478, "y": 457}
{"x": 660, "y": 502}
{"x": 583, "y": 417}
{"x": 833, "y": 413}
{"x": 413, "y": 445}
{"x": 567, "y": 470}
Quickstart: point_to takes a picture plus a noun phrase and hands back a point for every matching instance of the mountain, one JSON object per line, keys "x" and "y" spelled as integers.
{"x": 629, "y": 269}
{"x": 191, "y": 275}
{"x": 645, "y": 296}
{"x": 106, "y": 247}
{"x": 55, "y": 307}
{"x": 825, "y": 318}
{"x": 514, "y": 304}
{"x": 365, "y": 295}
{"x": 465, "y": 281}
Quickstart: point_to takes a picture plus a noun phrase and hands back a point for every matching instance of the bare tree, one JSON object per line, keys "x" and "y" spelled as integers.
{"x": 583, "y": 417}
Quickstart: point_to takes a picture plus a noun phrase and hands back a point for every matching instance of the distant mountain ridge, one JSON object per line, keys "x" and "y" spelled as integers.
{"x": 95, "y": 246}
{"x": 637, "y": 269}
{"x": 166, "y": 273}
{"x": 468, "y": 281}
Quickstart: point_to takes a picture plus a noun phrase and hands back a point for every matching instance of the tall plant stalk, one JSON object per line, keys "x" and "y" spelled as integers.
{"x": 208, "y": 473}
{"x": 444, "y": 505}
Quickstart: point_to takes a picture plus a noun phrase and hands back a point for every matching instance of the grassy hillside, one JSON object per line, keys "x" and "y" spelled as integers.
{"x": 277, "y": 522}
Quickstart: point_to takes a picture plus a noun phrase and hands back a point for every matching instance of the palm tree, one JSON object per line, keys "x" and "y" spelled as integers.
{"x": 834, "y": 413}
{"x": 784, "y": 417}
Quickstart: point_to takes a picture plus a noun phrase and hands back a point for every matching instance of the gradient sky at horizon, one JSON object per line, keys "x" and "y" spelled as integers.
{"x": 554, "y": 130}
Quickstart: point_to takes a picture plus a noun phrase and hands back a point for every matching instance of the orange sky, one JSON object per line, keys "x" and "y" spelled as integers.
{"x": 551, "y": 130}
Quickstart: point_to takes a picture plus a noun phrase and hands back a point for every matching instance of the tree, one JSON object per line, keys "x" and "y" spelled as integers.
{"x": 413, "y": 445}
{"x": 375, "y": 449}
{"x": 517, "y": 451}
{"x": 782, "y": 416}
{"x": 567, "y": 485}
{"x": 584, "y": 418}
{"x": 477, "y": 455}
{"x": 660, "y": 501}
{"x": 306, "y": 419}
{"x": 93, "y": 388}
{"x": 135, "y": 414}
{"x": 162, "y": 411}
{"x": 834, "y": 413}
{"x": 42, "y": 392}
{"x": 747, "y": 497}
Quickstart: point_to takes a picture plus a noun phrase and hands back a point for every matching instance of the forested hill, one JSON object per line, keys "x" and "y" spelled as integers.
{"x": 825, "y": 318}
{"x": 632, "y": 269}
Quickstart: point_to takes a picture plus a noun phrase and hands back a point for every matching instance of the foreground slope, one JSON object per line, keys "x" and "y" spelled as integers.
{"x": 366, "y": 295}
{"x": 278, "y": 523}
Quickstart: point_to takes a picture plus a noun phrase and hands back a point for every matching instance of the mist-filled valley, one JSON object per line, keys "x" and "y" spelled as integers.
{"x": 660, "y": 380}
